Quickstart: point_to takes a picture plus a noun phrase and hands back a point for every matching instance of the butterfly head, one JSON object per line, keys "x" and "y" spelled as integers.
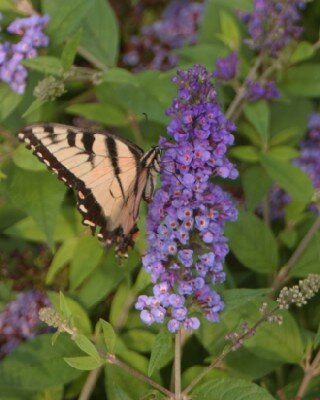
{"x": 152, "y": 158}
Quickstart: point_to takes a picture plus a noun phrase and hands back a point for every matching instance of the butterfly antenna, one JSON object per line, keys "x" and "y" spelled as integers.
{"x": 146, "y": 118}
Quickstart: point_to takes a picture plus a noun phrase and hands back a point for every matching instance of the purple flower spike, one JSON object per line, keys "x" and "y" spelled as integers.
{"x": 177, "y": 27}
{"x": 186, "y": 244}
{"x": 227, "y": 68}
{"x": 30, "y": 29}
{"x": 20, "y": 321}
{"x": 273, "y": 24}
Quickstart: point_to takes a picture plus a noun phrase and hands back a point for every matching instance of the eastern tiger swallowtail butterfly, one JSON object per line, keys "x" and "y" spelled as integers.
{"x": 109, "y": 174}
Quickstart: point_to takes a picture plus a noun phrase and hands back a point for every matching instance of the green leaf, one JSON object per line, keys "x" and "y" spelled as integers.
{"x": 67, "y": 226}
{"x": 256, "y": 185}
{"x": 139, "y": 340}
{"x": 245, "y": 364}
{"x": 303, "y": 51}
{"x": 35, "y": 105}
{"x": 61, "y": 258}
{"x": 70, "y": 50}
{"x": 145, "y": 100}
{"x": 40, "y": 195}
{"x": 142, "y": 282}
{"x": 7, "y": 5}
{"x": 205, "y": 54}
{"x": 259, "y": 115}
{"x": 284, "y": 152}
{"x": 288, "y": 237}
{"x": 54, "y": 338}
{"x": 289, "y": 177}
{"x": 294, "y": 211}
{"x": 55, "y": 393}
{"x": 86, "y": 346}
{"x": 65, "y": 17}
{"x": 24, "y": 159}
{"x": 119, "y": 385}
{"x": 63, "y": 306}
{"x": 121, "y": 76}
{"x": 87, "y": 256}
{"x": 161, "y": 352}
{"x": 109, "y": 335}
{"x": 210, "y": 24}
{"x": 291, "y": 117}
{"x": 303, "y": 80}
{"x": 230, "y": 389}
{"x": 36, "y": 365}
{"x": 278, "y": 342}
{"x": 230, "y": 31}
{"x": 105, "y": 113}
{"x": 119, "y": 310}
{"x": 245, "y": 153}
{"x": 309, "y": 261}
{"x": 46, "y": 64}
{"x": 83, "y": 363}
{"x": 287, "y": 135}
{"x": 80, "y": 318}
{"x": 101, "y": 282}
{"x": 100, "y": 39}
{"x": 253, "y": 243}
{"x": 234, "y": 298}
{"x": 9, "y": 100}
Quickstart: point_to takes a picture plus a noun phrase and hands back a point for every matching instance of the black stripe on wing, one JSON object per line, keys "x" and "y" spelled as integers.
{"x": 89, "y": 208}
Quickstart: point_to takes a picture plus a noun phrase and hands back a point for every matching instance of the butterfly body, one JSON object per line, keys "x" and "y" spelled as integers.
{"x": 109, "y": 174}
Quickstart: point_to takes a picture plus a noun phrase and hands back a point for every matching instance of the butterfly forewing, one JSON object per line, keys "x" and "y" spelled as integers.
{"x": 109, "y": 174}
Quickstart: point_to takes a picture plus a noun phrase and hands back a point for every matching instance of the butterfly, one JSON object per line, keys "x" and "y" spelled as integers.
{"x": 109, "y": 174}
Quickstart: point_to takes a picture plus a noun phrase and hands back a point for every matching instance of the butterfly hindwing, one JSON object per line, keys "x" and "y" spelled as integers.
{"x": 105, "y": 171}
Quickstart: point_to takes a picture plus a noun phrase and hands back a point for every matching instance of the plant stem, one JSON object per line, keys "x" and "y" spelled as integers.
{"x": 282, "y": 276}
{"x": 310, "y": 371}
{"x": 112, "y": 359}
{"x": 227, "y": 350}
{"x": 177, "y": 366}
{"x": 236, "y": 104}
{"x": 90, "y": 384}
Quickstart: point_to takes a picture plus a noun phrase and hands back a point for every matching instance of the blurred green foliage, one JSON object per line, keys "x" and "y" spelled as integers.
{"x": 37, "y": 211}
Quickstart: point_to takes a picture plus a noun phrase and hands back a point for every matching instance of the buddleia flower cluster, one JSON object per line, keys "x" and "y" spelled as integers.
{"x": 152, "y": 48}
{"x": 273, "y": 24}
{"x": 13, "y": 53}
{"x": 271, "y": 27}
{"x": 299, "y": 294}
{"x": 19, "y": 320}
{"x": 185, "y": 228}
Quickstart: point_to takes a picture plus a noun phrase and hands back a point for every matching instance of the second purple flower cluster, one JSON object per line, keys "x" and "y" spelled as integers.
{"x": 20, "y": 321}
{"x": 11, "y": 54}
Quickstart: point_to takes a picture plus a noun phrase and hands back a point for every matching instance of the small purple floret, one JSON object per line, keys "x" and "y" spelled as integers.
{"x": 227, "y": 68}
{"x": 258, "y": 91}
